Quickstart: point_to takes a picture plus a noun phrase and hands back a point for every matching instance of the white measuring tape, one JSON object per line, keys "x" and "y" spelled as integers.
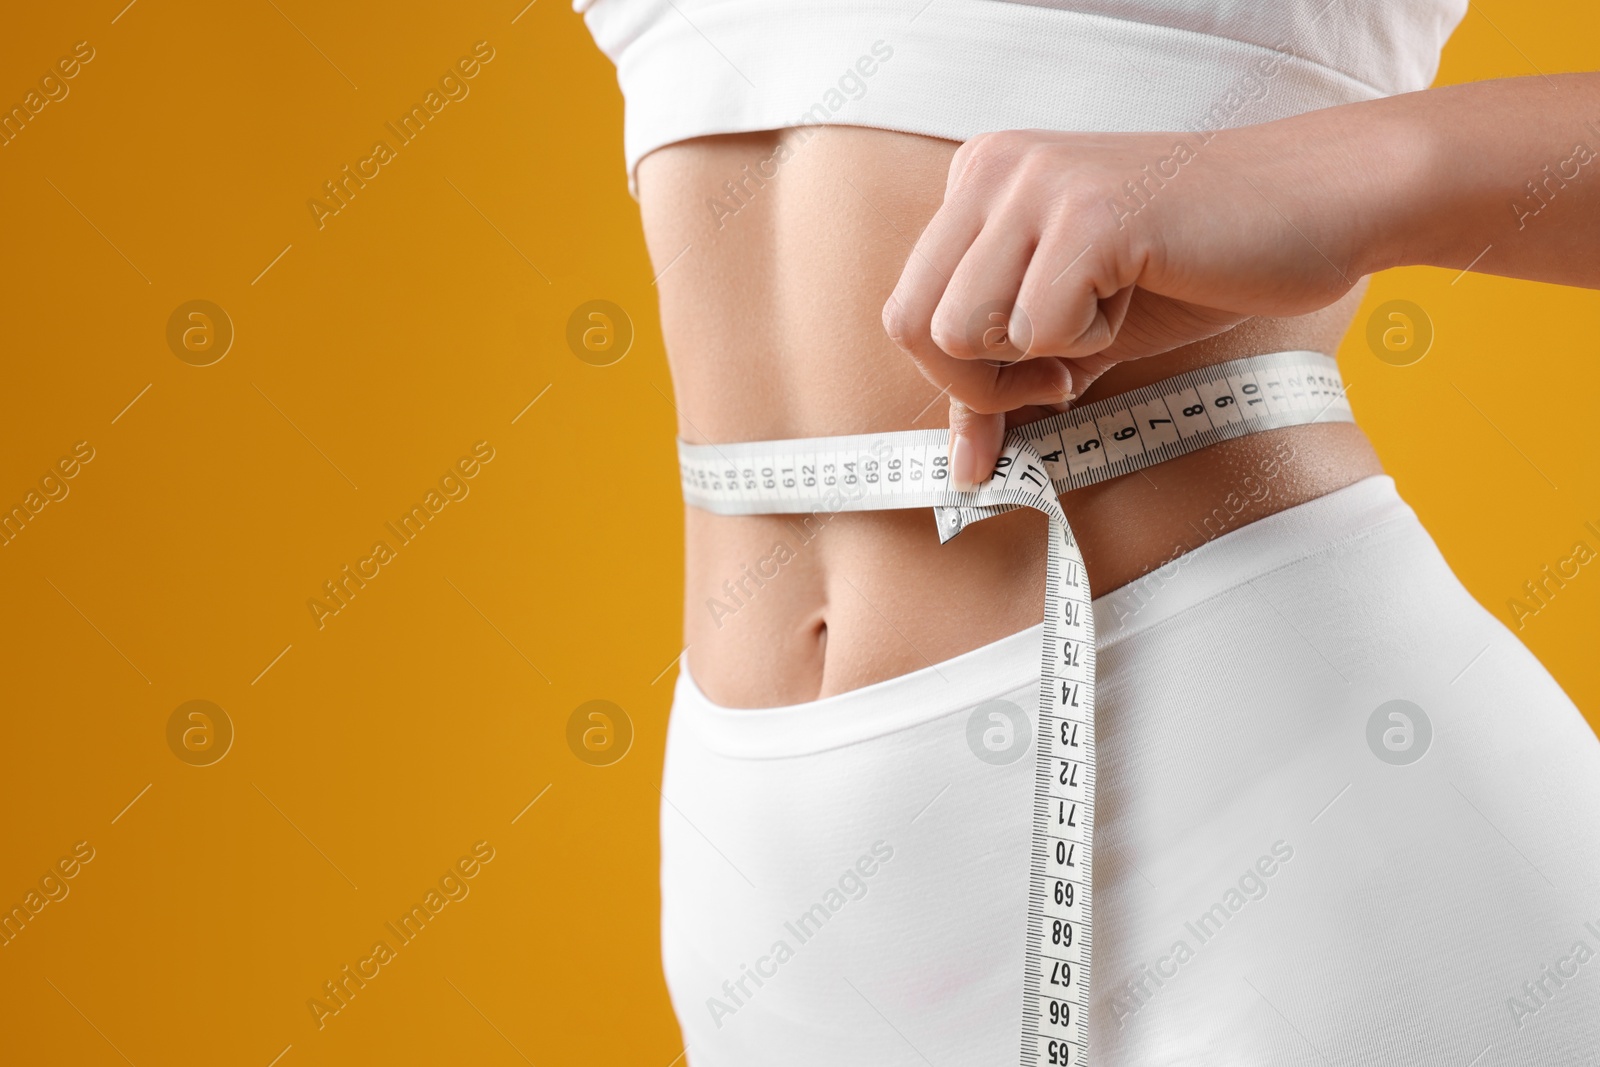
{"x": 1040, "y": 461}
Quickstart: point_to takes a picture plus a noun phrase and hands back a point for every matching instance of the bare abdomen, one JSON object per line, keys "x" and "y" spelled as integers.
{"x": 777, "y": 252}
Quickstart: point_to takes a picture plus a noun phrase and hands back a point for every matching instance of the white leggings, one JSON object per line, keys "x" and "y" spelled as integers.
{"x": 1291, "y": 869}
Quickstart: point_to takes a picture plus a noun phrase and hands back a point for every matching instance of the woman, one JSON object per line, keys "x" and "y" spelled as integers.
{"x": 1280, "y": 876}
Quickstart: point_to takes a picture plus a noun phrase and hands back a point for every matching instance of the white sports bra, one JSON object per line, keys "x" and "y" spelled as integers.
{"x": 958, "y": 68}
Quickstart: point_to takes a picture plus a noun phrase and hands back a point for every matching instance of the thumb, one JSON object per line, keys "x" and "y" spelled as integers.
{"x": 975, "y": 441}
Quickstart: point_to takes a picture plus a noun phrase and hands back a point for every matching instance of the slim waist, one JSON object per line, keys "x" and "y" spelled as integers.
{"x": 1367, "y": 508}
{"x": 879, "y": 597}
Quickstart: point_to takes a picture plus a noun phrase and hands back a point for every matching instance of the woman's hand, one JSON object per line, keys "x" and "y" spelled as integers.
{"x": 1056, "y": 256}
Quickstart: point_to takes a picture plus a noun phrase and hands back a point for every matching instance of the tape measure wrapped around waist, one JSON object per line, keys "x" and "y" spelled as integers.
{"x": 1039, "y": 462}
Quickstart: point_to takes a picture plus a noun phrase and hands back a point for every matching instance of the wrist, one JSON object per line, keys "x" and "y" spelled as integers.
{"x": 1399, "y": 184}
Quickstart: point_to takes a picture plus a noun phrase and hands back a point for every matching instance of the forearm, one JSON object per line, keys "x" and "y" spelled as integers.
{"x": 1503, "y": 176}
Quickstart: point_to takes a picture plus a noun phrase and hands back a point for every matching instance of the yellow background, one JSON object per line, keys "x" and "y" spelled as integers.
{"x": 369, "y": 356}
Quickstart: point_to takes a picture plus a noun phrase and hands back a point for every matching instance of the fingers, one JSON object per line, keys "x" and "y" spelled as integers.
{"x": 1155, "y": 323}
{"x": 975, "y": 440}
{"x": 977, "y": 426}
{"x": 974, "y": 317}
{"x": 955, "y": 325}
{"x": 1072, "y": 300}
{"x": 908, "y": 313}
{"x": 1003, "y": 295}
{"x": 990, "y": 389}
{"x": 957, "y": 307}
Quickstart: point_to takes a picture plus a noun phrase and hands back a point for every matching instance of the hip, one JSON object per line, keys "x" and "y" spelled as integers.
{"x": 870, "y": 848}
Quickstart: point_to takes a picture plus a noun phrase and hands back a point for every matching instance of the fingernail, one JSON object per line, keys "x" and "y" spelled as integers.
{"x": 963, "y": 465}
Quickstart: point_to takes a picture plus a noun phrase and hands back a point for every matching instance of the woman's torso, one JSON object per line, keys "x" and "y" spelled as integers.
{"x": 775, "y": 252}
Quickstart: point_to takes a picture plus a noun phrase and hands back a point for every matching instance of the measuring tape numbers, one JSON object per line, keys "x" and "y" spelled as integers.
{"x": 1039, "y": 462}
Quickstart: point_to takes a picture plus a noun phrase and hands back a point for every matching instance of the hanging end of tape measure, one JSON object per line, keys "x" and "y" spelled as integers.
{"x": 951, "y": 521}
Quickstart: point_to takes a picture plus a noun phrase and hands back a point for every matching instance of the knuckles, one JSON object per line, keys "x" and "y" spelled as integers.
{"x": 902, "y": 329}
{"x": 1000, "y": 146}
{"x": 950, "y": 338}
{"x": 1009, "y": 158}
{"x": 1049, "y": 331}
{"x": 1046, "y": 337}
{"x": 1027, "y": 174}
{"x": 991, "y": 161}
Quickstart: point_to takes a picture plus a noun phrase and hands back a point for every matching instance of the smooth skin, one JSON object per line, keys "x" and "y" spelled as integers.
{"x": 1109, "y": 248}
{"x": 779, "y": 300}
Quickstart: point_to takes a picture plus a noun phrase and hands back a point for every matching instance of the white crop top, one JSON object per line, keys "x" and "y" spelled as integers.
{"x": 957, "y": 68}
